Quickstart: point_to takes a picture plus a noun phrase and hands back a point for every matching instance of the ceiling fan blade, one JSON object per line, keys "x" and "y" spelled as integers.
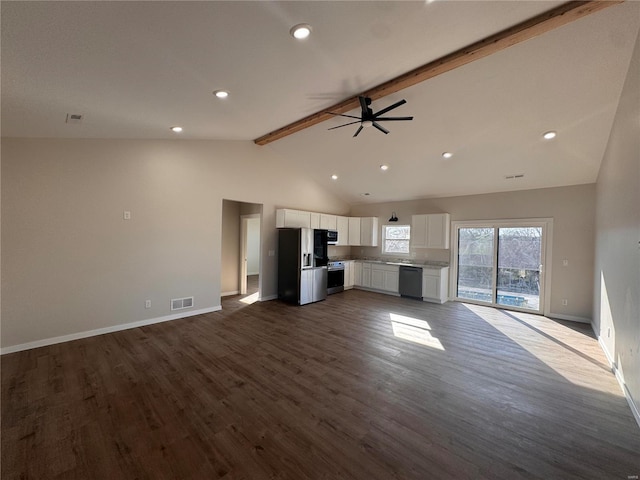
{"x": 343, "y": 125}
{"x": 382, "y": 129}
{"x": 342, "y": 115}
{"x": 390, "y": 107}
{"x": 386, "y": 119}
{"x": 358, "y": 131}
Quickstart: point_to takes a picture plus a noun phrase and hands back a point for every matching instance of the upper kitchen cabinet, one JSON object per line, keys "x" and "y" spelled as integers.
{"x": 342, "y": 224}
{"x": 286, "y": 218}
{"x": 315, "y": 220}
{"x": 430, "y": 231}
{"x": 354, "y": 231}
{"x": 369, "y": 231}
{"x": 328, "y": 222}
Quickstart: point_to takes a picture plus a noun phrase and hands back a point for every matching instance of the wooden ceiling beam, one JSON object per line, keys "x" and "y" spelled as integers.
{"x": 545, "y": 22}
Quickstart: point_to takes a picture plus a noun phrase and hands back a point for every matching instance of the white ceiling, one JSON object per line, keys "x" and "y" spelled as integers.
{"x": 133, "y": 69}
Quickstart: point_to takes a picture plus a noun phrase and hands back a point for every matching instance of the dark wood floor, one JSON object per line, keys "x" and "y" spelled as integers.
{"x": 324, "y": 391}
{"x": 252, "y": 284}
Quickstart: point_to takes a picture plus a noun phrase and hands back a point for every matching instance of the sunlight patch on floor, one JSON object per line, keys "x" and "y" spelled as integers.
{"x": 414, "y": 330}
{"x": 563, "y": 355}
{"x": 253, "y": 298}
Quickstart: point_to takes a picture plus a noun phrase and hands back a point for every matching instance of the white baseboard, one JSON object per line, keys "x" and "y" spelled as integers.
{"x": 614, "y": 368}
{"x": 228, "y": 294}
{"x": 102, "y": 331}
{"x": 571, "y": 318}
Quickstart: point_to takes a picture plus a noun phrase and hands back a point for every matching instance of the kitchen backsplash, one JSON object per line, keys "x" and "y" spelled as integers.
{"x": 421, "y": 255}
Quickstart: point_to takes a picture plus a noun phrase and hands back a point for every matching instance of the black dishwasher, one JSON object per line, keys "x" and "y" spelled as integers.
{"x": 411, "y": 282}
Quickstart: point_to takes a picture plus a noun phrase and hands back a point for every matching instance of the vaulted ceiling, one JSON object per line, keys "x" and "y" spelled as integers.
{"x": 134, "y": 69}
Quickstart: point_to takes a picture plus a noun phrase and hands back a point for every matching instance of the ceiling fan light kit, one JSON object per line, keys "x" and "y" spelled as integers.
{"x": 369, "y": 119}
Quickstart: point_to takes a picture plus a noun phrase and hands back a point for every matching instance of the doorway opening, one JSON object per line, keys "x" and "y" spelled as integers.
{"x": 249, "y": 254}
{"x": 502, "y": 264}
{"x": 241, "y": 248}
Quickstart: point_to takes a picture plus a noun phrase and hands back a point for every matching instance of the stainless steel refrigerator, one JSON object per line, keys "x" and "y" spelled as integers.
{"x": 302, "y": 265}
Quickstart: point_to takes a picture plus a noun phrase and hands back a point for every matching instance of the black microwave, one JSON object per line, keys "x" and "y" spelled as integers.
{"x": 332, "y": 237}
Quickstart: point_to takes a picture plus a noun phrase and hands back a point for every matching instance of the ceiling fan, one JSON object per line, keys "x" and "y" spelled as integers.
{"x": 368, "y": 118}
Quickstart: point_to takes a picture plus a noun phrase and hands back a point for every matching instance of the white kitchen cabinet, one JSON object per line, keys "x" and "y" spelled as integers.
{"x": 383, "y": 277}
{"x": 342, "y": 225}
{"x": 430, "y": 231}
{"x": 354, "y": 231}
{"x": 357, "y": 274}
{"x": 328, "y": 222}
{"x": 287, "y": 218}
{"x": 390, "y": 277}
{"x": 438, "y": 226}
{"x": 366, "y": 275}
{"x": 315, "y": 220}
{"x": 392, "y": 280}
{"x": 435, "y": 283}
{"x": 349, "y": 274}
{"x": 377, "y": 278}
{"x": 369, "y": 231}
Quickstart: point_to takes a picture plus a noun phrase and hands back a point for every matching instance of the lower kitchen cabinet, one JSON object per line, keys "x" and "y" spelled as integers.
{"x": 378, "y": 276}
{"x": 366, "y": 275}
{"x": 385, "y": 278}
{"x": 349, "y": 274}
{"x": 435, "y": 283}
{"x": 357, "y": 274}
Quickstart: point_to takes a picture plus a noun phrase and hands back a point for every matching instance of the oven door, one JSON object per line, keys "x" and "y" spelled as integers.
{"x": 335, "y": 280}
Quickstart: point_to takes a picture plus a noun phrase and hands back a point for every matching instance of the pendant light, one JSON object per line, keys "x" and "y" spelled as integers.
{"x": 393, "y": 218}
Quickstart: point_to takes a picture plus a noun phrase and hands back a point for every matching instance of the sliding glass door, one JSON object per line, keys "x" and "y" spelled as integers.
{"x": 501, "y": 264}
{"x": 476, "y": 273}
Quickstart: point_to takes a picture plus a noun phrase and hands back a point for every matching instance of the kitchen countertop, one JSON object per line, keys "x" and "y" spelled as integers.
{"x": 406, "y": 263}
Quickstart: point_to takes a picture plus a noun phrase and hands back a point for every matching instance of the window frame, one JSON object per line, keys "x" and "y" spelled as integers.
{"x": 383, "y": 240}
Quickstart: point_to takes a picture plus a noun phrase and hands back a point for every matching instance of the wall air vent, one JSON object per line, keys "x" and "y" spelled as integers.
{"x": 74, "y": 118}
{"x": 180, "y": 303}
{"x": 512, "y": 177}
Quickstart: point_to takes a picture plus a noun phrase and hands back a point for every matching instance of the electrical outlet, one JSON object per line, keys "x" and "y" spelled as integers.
{"x": 565, "y": 263}
{"x": 565, "y": 302}
{"x": 147, "y": 304}
{"x": 127, "y": 215}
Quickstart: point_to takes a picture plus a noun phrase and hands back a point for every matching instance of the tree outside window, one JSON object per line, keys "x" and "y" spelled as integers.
{"x": 396, "y": 239}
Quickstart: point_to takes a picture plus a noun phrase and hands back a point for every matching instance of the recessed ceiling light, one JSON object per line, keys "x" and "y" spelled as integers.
{"x": 221, "y": 93}
{"x": 549, "y": 135}
{"x": 176, "y": 129}
{"x": 334, "y": 177}
{"x": 447, "y": 155}
{"x": 300, "y": 31}
{"x": 384, "y": 167}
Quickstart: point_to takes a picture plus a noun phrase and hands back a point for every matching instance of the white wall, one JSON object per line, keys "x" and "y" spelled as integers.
{"x": 616, "y": 309}
{"x": 572, "y": 209}
{"x": 72, "y": 264}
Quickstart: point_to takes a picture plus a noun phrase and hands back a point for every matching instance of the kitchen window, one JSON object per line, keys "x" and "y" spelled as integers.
{"x": 395, "y": 239}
